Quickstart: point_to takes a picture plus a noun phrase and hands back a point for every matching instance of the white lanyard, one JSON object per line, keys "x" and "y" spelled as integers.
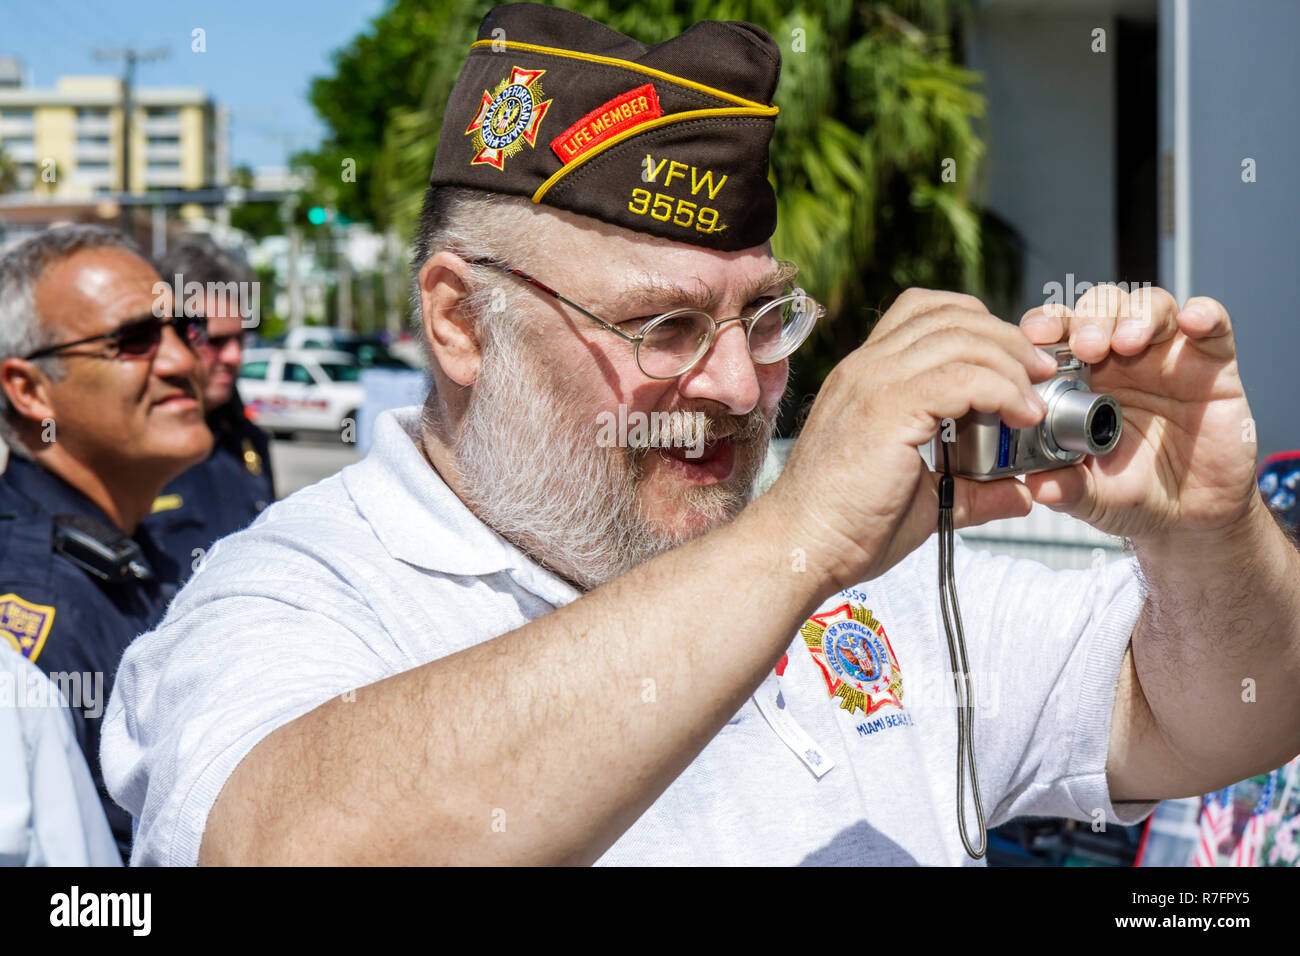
{"x": 771, "y": 704}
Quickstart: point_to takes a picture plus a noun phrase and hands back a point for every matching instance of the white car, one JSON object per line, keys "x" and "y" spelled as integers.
{"x": 286, "y": 390}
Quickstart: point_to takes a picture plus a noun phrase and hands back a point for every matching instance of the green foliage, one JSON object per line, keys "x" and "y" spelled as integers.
{"x": 8, "y": 173}
{"x": 872, "y": 105}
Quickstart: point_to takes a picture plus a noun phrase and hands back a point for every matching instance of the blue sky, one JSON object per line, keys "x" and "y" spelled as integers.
{"x": 260, "y": 56}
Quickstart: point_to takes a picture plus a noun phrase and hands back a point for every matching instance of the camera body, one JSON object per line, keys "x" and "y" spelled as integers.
{"x": 1078, "y": 422}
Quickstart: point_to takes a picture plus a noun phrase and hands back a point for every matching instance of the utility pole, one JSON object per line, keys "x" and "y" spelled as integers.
{"x": 129, "y": 56}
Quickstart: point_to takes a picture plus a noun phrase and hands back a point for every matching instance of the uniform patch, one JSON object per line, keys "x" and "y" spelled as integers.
{"x": 25, "y": 625}
{"x": 166, "y": 503}
{"x": 855, "y": 657}
{"x": 624, "y": 112}
{"x": 507, "y": 118}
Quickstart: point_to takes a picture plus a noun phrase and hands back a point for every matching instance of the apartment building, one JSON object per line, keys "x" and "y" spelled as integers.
{"x": 67, "y": 141}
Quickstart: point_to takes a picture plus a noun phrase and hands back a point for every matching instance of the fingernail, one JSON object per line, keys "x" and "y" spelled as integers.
{"x": 1046, "y": 358}
{"x": 1130, "y": 329}
{"x": 1090, "y": 335}
{"x": 1035, "y": 400}
{"x": 1034, "y": 322}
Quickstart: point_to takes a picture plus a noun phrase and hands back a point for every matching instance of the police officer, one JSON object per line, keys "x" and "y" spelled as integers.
{"x": 228, "y": 490}
{"x": 100, "y": 406}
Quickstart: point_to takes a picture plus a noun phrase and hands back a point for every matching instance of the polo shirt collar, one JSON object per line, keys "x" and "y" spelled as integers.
{"x": 421, "y": 521}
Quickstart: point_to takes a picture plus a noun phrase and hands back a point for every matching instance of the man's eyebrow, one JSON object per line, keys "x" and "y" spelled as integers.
{"x": 658, "y": 294}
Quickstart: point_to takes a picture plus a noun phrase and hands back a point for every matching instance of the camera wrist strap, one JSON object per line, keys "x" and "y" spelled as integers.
{"x": 961, "y": 675}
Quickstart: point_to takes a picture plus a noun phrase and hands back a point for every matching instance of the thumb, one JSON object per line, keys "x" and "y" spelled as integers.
{"x": 977, "y": 502}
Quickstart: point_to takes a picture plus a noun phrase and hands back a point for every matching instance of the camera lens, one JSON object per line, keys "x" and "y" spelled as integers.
{"x": 1103, "y": 426}
{"x": 1083, "y": 422}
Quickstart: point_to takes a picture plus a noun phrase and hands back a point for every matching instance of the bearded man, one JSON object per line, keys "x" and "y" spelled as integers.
{"x": 497, "y": 640}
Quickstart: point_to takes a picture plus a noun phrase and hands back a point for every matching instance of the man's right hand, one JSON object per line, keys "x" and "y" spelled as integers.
{"x": 856, "y": 493}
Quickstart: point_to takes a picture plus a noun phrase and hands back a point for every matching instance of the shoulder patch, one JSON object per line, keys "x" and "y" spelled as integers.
{"x": 25, "y": 625}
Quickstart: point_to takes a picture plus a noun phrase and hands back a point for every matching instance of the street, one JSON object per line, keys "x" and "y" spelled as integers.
{"x": 306, "y": 461}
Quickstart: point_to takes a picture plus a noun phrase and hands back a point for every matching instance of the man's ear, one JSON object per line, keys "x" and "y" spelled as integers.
{"x": 448, "y": 326}
{"x": 27, "y": 388}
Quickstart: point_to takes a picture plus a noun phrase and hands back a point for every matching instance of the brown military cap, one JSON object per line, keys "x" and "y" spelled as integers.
{"x": 669, "y": 139}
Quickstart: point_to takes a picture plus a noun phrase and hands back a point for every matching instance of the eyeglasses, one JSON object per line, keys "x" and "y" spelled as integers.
{"x": 668, "y": 345}
{"x": 140, "y": 338}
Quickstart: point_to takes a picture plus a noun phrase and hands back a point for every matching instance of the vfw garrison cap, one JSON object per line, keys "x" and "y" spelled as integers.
{"x": 669, "y": 139}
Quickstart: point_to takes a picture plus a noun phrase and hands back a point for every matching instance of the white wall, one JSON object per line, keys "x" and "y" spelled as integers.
{"x": 1051, "y": 139}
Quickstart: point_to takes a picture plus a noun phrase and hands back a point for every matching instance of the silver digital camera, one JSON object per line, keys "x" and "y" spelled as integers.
{"x": 1079, "y": 422}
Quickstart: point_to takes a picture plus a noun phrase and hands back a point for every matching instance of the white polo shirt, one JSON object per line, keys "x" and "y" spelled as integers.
{"x": 848, "y": 756}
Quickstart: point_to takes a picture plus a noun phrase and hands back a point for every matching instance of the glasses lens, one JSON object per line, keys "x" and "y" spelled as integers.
{"x": 781, "y": 326}
{"x": 671, "y": 344}
{"x": 139, "y": 338}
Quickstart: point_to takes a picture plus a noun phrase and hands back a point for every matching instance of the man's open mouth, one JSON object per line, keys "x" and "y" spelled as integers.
{"x": 704, "y": 464}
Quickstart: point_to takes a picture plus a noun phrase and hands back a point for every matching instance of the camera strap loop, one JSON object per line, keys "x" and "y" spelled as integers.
{"x": 961, "y": 675}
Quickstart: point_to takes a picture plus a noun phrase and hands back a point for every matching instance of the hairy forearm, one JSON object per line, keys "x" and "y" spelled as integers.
{"x": 1216, "y": 657}
{"x": 540, "y": 746}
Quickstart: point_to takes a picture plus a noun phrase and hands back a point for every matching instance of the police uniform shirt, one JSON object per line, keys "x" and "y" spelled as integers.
{"x": 60, "y": 617}
{"x": 50, "y": 814}
{"x": 847, "y": 756}
{"x": 218, "y": 496}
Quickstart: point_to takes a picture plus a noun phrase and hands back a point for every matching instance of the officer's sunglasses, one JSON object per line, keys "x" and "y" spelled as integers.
{"x": 140, "y": 338}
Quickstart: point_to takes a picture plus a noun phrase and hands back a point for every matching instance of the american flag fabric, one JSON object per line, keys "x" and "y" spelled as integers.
{"x": 1247, "y": 851}
{"x": 1216, "y": 825}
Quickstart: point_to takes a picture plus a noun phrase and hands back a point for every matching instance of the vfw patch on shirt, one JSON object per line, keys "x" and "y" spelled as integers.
{"x": 25, "y": 625}
{"x": 861, "y": 669}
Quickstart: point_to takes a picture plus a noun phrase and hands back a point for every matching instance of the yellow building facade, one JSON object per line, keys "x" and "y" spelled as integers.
{"x": 66, "y": 143}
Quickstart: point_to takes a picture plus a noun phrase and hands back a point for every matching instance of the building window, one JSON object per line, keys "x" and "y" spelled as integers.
{"x": 163, "y": 112}
{"x": 164, "y": 140}
{"x": 92, "y": 166}
{"x": 24, "y": 140}
{"x": 15, "y": 114}
{"x": 92, "y": 112}
{"x": 84, "y": 139}
{"x": 163, "y": 165}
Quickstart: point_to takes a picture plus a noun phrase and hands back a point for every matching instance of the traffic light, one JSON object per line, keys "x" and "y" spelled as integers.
{"x": 317, "y": 215}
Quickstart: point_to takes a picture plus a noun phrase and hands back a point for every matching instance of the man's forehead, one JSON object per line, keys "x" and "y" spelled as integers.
{"x": 96, "y": 287}
{"x": 702, "y": 288}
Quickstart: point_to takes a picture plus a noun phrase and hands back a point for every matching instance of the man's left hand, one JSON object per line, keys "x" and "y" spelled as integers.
{"x": 1186, "y": 458}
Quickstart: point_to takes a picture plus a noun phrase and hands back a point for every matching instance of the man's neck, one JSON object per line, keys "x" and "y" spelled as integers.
{"x": 126, "y": 500}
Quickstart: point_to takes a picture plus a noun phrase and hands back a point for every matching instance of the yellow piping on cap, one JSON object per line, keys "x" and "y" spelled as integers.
{"x": 625, "y": 64}
{"x": 648, "y": 125}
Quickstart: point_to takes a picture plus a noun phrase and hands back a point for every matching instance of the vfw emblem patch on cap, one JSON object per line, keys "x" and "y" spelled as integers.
{"x": 25, "y": 625}
{"x": 508, "y": 117}
{"x": 855, "y": 657}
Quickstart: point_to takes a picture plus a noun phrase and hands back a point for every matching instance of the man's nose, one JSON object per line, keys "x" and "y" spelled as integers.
{"x": 726, "y": 373}
{"x": 175, "y": 356}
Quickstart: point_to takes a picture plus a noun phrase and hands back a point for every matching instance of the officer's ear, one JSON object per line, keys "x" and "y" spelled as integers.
{"x": 27, "y": 387}
{"x": 448, "y": 326}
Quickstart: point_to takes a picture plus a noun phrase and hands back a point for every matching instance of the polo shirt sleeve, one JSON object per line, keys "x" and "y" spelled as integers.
{"x": 264, "y": 634}
{"x": 1046, "y": 649}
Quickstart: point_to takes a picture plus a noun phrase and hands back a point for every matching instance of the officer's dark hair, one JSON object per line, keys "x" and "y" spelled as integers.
{"x": 22, "y": 331}
{"x": 197, "y": 258}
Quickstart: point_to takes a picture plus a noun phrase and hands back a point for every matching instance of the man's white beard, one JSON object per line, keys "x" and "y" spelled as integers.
{"x": 531, "y": 469}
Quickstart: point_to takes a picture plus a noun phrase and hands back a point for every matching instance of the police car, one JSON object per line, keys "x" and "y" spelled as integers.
{"x": 289, "y": 390}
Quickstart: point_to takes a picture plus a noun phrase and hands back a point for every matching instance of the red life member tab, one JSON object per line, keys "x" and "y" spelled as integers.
{"x": 621, "y": 113}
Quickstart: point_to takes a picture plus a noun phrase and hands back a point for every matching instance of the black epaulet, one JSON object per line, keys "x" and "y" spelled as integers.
{"x": 99, "y": 550}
